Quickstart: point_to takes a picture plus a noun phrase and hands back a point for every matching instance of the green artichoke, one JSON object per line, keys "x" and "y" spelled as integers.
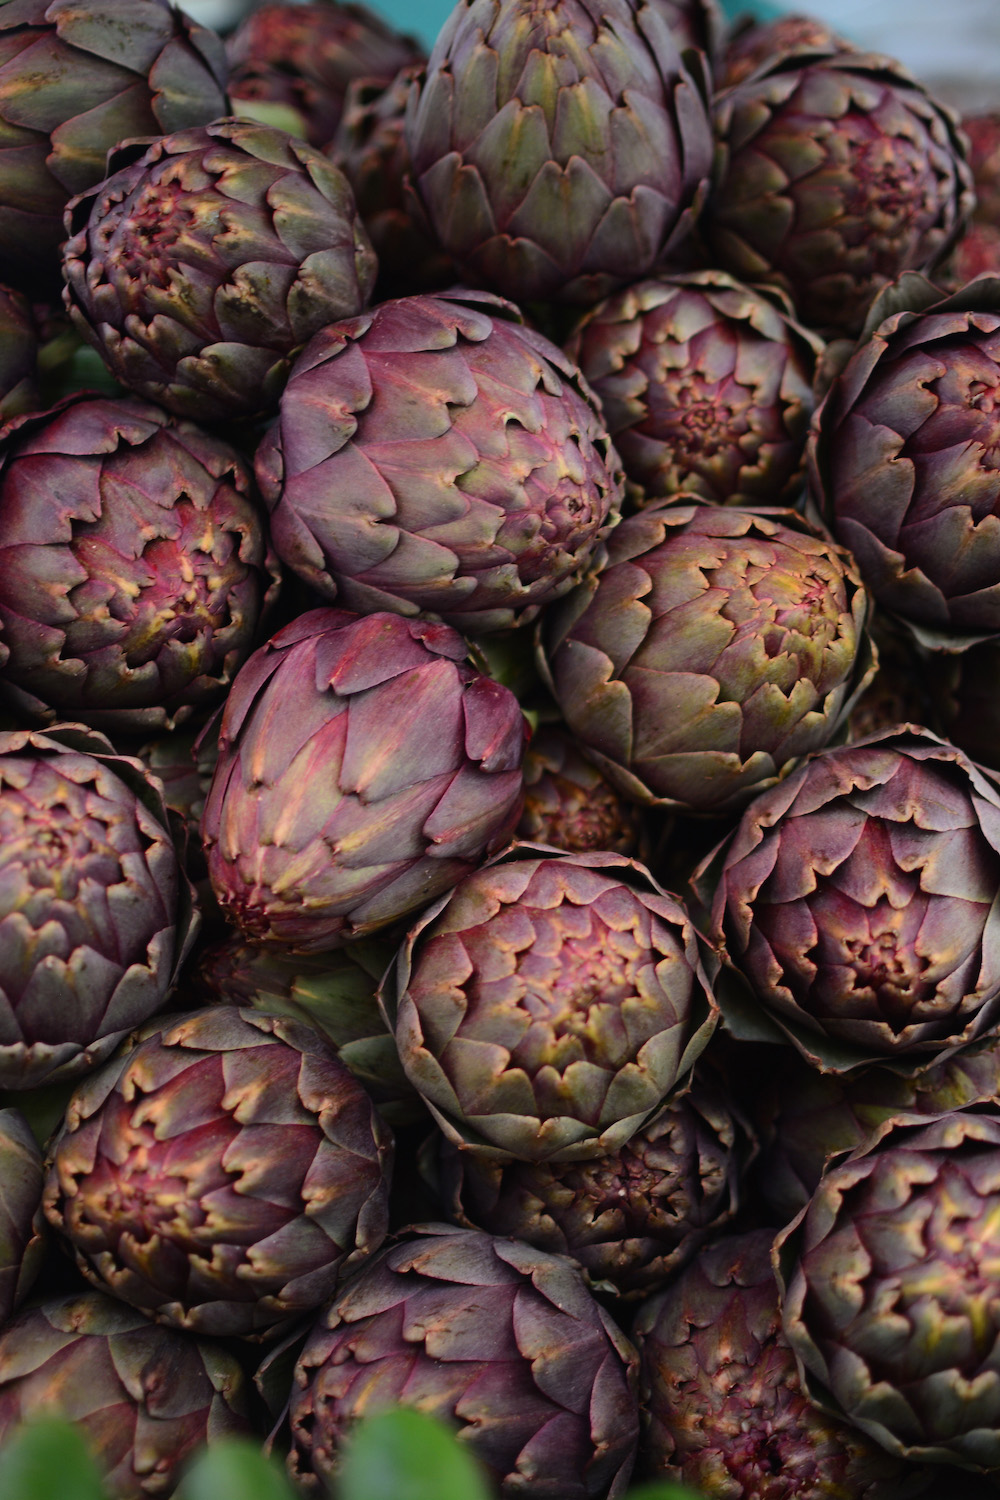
{"x": 569, "y": 804}
{"x": 490, "y": 1334}
{"x": 221, "y": 1173}
{"x": 480, "y": 474}
{"x": 716, "y": 647}
{"x": 21, "y": 1240}
{"x": 560, "y": 150}
{"x": 18, "y": 356}
{"x": 206, "y": 260}
{"x": 547, "y": 1007}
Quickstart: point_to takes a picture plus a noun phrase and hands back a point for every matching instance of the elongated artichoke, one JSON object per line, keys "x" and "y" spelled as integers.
{"x": 18, "y": 356}
{"x": 364, "y": 767}
{"x": 560, "y": 150}
{"x": 21, "y": 1241}
{"x": 146, "y": 1399}
{"x": 480, "y": 475}
{"x": 134, "y": 565}
{"x": 706, "y": 386}
{"x": 569, "y": 804}
{"x": 548, "y": 1006}
{"x": 221, "y": 1173}
{"x": 95, "y": 910}
{"x": 207, "y": 259}
{"x": 859, "y": 899}
{"x": 488, "y": 1333}
{"x": 716, "y": 647}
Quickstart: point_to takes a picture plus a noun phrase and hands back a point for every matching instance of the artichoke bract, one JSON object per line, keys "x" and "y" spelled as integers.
{"x": 18, "y": 356}
{"x": 435, "y": 454}
{"x": 888, "y": 1287}
{"x": 727, "y": 1412}
{"x": 222, "y": 1173}
{"x": 716, "y": 647}
{"x": 695, "y": 23}
{"x": 21, "y": 1243}
{"x": 145, "y": 1398}
{"x": 903, "y": 459}
{"x": 74, "y": 81}
{"x": 207, "y": 259}
{"x": 560, "y": 150}
{"x": 134, "y": 565}
{"x": 569, "y": 804}
{"x": 760, "y": 43}
{"x": 364, "y": 767}
{"x": 706, "y": 386}
{"x": 96, "y": 913}
{"x": 837, "y": 171}
{"x": 549, "y": 1005}
{"x": 490, "y": 1334}
{"x": 860, "y": 899}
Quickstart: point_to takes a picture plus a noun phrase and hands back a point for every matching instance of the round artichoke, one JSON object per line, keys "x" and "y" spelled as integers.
{"x": 560, "y": 150}
{"x": 208, "y": 258}
{"x": 134, "y": 565}
{"x": 221, "y": 1173}
{"x": 547, "y": 1007}
{"x": 761, "y": 43}
{"x": 488, "y": 1333}
{"x": 364, "y": 767}
{"x": 569, "y": 804}
{"x": 76, "y": 80}
{"x": 146, "y": 1399}
{"x": 480, "y": 475}
{"x": 860, "y": 899}
{"x": 837, "y": 172}
{"x": 706, "y": 386}
{"x": 95, "y": 911}
{"x": 21, "y": 1241}
{"x": 18, "y": 354}
{"x": 716, "y": 647}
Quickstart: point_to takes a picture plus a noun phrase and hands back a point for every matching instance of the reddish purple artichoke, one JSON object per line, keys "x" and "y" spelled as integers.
{"x": 695, "y": 23}
{"x": 569, "y": 804}
{"x": 18, "y": 355}
{"x": 762, "y": 43}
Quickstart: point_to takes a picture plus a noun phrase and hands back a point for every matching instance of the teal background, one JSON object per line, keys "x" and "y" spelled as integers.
{"x": 424, "y": 18}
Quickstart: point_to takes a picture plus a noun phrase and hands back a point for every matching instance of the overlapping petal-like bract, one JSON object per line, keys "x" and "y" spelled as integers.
{"x": 695, "y": 23}
{"x": 365, "y": 766}
{"x": 716, "y": 647}
{"x": 860, "y": 899}
{"x": 18, "y": 356}
{"x": 204, "y": 262}
{"x": 21, "y": 1242}
{"x": 560, "y": 150}
{"x": 490, "y": 1334}
{"x": 222, "y": 1173}
{"x": 569, "y": 804}
{"x": 436, "y": 454}
{"x": 547, "y": 1007}
{"x": 760, "y": 43}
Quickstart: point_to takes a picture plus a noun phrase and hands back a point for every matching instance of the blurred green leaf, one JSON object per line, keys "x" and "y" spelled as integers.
{"x": 233, "y": 1469}
{"x": 49, "y": 1459}
{"x": 407, "y": 1455}
{"x": 661, "y": 1490}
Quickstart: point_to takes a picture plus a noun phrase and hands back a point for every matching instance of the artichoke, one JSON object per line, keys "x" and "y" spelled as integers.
{"x": 837, "y": 171}
{"x": 95, "y": 911}
{"x": 74, "y": 81}
{"x": 480, "y": 475}
{"x": 569, "y": 804}
{"x": 560, "y": 150}
{"x": 146, "y": 1399}
{"x": 547, "y": 1007}
{"x": 489, "y": 1333}
{"x": 717, "y": 647}
{"x": 221, "y": 1173}
{"x": 695, "y": 23}
{"x": 208, "y": 258}
{"x": 18, "y": 355}
{"x": 761, "y": 43}
{"x": 706, "y": 386}
{"x": 860, "y": 899}
{"x": 727, "y": 1412}
{"x": 21, "y": 1241}
{"x": 364, "y": 767}
{"x": 134, "y": 565}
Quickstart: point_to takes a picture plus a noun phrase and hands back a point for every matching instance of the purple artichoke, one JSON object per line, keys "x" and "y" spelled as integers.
{"x": 480, "y": 474}
{"x": 21, "y": 1241}
{"x": 208, "y": 258}
{"x": 569, "y": 804}
{"x": 489, "y": 1333}
{"x": 695, "y": 23}
{"x": 762, "y": 43}
{"x": 364, "y": 767}
{"x": 18, "y": 355}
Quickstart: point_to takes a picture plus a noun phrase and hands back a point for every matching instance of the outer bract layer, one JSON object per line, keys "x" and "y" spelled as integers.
{"x": 716, "y": 647}
{"x": 18, "y": 355}
{"x": 146, "y": 1399}
{"x": 888, "y": 1281}
{"x": 727, "y": 1413}
{"x": 21, "y": 1243}
{"x": 206, "y": 260}
{"x": 74, "y": 81}
{"x": 547, "y": 1008}
{"x": 488, "y": 1333}
{"x": 569, "y": 804}
{"x": 695, "y": 23}
{"x": 560, "y": 150}
{"x": 435, "y": 454}
{"x": 762, "y": 43}
{"x": 860, "y": 900}
{"x": 364, "y": 767}
{"x": 95, "y": 911}
{"x": 134, "y": 565}
{"x": 222, "y": 1173}
{"x": 837, "y": 171}
{"x": 706, "y": 386}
